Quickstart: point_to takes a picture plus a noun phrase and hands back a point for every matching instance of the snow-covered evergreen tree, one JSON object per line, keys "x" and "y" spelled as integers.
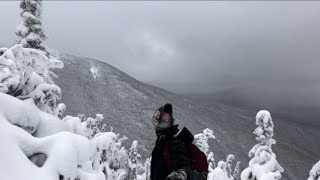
{"x": 263, "y": 164}
{"x": 147, "y": 171}
{"x": 229, "y": 161}
{"x": 92, "y": 125}
{"x": 26, "y": 68}
{"x": 30, "y": 32}
{"x": 202, "y": 140}
{"x": 202, "y": 143}
{"x": 236, "y": 171}
{"x": 220, "y": 172}
{"x": 315, "y": 172}
{"x": 133, "y": 161}
{"x": 110, "y": 156}
{"x": 26, "y": 73}
{"x": 211, "y": 162}
{"x": 224, "y": 170}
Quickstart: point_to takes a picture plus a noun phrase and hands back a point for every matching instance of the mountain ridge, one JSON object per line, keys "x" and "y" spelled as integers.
{"x": 128, "y": 106}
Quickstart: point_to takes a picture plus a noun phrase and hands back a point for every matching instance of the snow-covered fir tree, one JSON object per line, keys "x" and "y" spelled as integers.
{"x": 220, "y": 172}
{"x": 211, "y": 162}
{"x": 29, "y": 31}
{"x": 315, "y": 172}
{"x": 133, "y": 160}
{"x": 26, "y": 68}
{"x": 224, "y": 170}
{"x": 93, "y": 125}
{"x": 202, "y": 140}
{"x": 236, "y": 171}
{"x": 147, "y": 172}
{"x": 229, "y": 161}
{"x": 26, "y": 73}
{"x": 263, "y": 164}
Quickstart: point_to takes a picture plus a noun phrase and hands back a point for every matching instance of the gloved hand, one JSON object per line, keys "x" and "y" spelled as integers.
{"x": 178, "y": 175}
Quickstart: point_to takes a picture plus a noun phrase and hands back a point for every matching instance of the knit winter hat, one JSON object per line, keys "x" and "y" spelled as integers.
{"x": 163, "y": 118}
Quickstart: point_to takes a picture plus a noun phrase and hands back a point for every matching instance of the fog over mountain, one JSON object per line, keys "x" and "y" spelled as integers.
{"x": 193, "y": 47}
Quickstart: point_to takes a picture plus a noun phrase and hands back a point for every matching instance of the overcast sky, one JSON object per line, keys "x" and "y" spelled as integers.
{"x": 189, "y": 47}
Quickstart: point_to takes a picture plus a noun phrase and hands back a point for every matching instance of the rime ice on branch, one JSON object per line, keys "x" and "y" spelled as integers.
{"x": 263, "y": 164}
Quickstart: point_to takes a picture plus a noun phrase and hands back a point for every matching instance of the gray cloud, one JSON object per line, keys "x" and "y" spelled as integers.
{"x": 191, "y": 47}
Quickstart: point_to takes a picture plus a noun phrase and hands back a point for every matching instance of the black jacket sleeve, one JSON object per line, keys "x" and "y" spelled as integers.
{"x": 181, "y": 156}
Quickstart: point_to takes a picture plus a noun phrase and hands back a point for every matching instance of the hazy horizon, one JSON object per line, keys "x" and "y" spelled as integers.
{"x": 192, "y": 47}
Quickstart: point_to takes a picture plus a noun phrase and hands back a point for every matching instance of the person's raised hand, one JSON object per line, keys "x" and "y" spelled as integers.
{"x": 177, "y": 175}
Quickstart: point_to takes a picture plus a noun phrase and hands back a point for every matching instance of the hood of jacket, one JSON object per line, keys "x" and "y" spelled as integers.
{"x": 184, "y": 135}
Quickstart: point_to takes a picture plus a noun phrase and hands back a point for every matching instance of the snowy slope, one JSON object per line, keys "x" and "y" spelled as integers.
{"x": 89, "y": 86}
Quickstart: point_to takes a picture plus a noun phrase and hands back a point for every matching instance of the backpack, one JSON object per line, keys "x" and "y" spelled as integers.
{"x": 199, "y": 161}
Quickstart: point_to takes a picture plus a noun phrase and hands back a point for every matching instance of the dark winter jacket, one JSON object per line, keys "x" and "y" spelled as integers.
{"x": 171, "y": 145}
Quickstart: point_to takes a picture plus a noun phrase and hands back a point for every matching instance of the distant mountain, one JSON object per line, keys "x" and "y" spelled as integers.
{"x": 293, "y": 104}
{"x": 90, "y": 87}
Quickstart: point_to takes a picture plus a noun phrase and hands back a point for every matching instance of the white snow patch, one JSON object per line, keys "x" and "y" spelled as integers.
{"x": 94, "y": 72}
{"x": 315, "y": 172}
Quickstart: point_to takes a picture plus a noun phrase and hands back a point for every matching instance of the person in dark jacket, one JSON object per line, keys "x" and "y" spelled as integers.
{"x": 171, "y": 157}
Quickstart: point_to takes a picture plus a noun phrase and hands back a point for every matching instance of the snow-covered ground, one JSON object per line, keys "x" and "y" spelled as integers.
{"x": 68, "y": 149}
